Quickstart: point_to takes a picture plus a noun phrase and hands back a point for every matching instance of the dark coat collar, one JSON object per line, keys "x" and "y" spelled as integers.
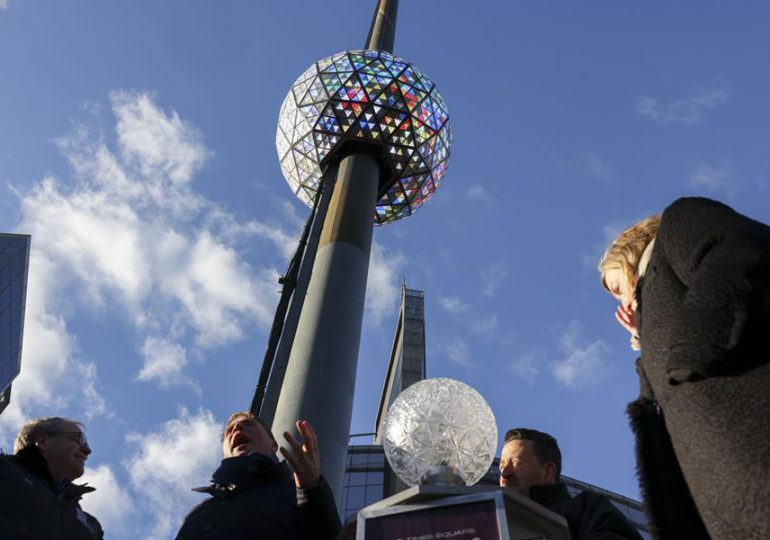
{"x": 549, "y": 494}
{"x": 32, "y": 460}
{"x": 237, "y": 474}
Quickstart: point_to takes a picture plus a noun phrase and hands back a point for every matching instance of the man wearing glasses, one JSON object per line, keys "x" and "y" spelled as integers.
{"x": 37, "y": 496}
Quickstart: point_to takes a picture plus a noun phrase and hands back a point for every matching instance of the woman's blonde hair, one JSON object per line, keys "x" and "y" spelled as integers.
{"x": 625, "y": 251}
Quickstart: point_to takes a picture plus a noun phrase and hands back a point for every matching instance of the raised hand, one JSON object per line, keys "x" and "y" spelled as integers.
{"x": 304, "y": 459}
{"x": 626, "y": 318}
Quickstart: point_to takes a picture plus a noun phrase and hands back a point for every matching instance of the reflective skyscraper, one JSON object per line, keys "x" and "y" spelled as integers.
{"x": 14, "y": 266}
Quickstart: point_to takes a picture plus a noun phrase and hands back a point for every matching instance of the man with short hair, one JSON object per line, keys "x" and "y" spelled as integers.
{"x": 531, "y": 464}
{"x": 252, "y": 493}
{"x": 37, "y": 497}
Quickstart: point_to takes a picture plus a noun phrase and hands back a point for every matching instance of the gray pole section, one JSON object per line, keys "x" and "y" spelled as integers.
{"x": 280, "y": 364}
{"x": 320, "y": 377}
{"x": 382, "y": 32}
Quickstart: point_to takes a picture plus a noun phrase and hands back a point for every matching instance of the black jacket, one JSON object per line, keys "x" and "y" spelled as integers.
{"x": 590, "y": 516}
{"x": 34, "y": 507}
{"x": 701, "y": 425}
{"x": 254, "y": 498}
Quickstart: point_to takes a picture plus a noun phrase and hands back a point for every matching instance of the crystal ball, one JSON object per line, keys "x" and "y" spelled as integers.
{"x": 372, "y": 98}
{"x": 440, "y": 422}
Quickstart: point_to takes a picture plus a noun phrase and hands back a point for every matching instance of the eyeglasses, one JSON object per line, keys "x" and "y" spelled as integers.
{"x": 79, "y": 437}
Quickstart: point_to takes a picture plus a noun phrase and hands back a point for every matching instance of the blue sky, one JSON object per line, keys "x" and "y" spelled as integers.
{"x": 137, "y": 147}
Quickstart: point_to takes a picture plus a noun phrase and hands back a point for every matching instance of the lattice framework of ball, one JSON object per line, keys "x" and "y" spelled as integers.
{"x": 371, "y": 97}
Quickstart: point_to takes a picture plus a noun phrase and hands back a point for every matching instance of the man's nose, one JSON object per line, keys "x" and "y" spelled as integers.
{"x": 86, "y": 449}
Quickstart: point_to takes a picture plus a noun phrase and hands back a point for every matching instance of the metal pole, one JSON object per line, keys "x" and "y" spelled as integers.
{"x": 270, "y": 402}
{"x": 382, "y": 32}
{"x": 288, "y": 282}
{"x": 321, "y": 374}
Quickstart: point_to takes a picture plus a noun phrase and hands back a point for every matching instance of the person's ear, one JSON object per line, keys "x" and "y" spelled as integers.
{"x": 39, "y": 440}
{"x": 550, "y": 472}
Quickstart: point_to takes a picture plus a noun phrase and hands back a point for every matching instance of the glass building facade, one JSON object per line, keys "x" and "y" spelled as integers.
{"x": 14, "y": 267}
{"x": 407, "y": 356}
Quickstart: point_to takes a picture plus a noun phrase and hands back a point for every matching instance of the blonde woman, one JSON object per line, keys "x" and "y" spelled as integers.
{"x": 694, "y": 292}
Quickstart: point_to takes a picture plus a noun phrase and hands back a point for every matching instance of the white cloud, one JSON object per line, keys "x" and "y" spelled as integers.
{"x": 456, "y": 350}
{"x": 525, "y": 367}
{"x": 382, "y": 285}
{"x": 286, "y": 241}
{"x": 159, "y": 145}
{"x": 596, "y": 167}
{"x": 217, "y": 289}
{"x": 453, "y": 305}
{"x": 93, "y": 239}
{"x": 168, "y": 463}
{"x": 128, "y": 232}
{"x": 611, "y": 231}
{"x": 583, "y": 365}
{"x": 493, "y": 277}
{"x": 716, "y": 177}
{"x": 480, "y": 194}
{"x": 590, "y": 259}
{"x": 111, "y": 503}
{"x": 3, "y": 4}
{"x": 690, "y": 110}
{"x": 588, "y": 164}
{"x": 164, "y": 362}
{"x": 484, "y": 324}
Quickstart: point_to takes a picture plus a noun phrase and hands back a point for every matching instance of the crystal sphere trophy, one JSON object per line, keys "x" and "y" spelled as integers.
{"x": 440, "y": 431}
{"x": 440, "y": 438}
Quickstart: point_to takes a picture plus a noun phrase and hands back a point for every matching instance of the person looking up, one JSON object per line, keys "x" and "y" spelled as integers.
{"x": 256, "y": 497}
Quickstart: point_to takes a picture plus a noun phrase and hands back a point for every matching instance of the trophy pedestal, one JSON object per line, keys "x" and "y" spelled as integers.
{"x": 445, "y": 512}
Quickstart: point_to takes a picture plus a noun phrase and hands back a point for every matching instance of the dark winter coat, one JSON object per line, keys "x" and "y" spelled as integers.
{"x": 703, "y": 435}
{"x": 34, "y": 507}
{"x": 590, "y": 516}
{"x": 255, "y": 499}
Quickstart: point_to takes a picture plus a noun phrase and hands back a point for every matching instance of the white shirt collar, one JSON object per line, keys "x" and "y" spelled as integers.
{"x": 645, "y": 259}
